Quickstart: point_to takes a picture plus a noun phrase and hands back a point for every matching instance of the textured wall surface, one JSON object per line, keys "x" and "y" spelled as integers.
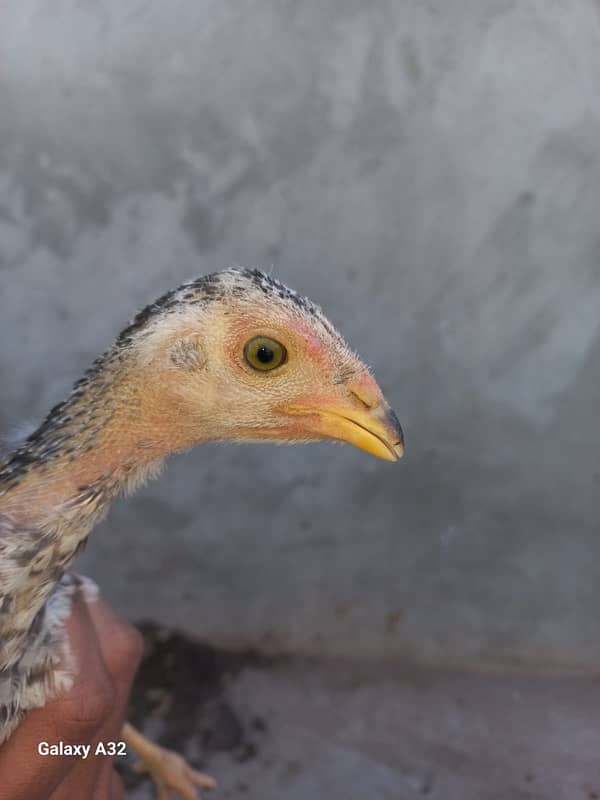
{"x": 430, "y": 173}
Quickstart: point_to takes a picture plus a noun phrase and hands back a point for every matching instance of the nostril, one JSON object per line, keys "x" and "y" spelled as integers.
{"x": 361, "y": 399}
{"x": 364, "y": 388}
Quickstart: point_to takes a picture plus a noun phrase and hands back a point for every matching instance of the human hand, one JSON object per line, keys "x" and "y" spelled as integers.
{"x": 108, "y": 652}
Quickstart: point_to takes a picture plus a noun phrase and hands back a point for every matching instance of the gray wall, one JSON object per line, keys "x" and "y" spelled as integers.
{"x": 430, "y": 173}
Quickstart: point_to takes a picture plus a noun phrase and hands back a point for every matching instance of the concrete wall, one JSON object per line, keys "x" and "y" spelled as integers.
{"x": 430, "y": 173}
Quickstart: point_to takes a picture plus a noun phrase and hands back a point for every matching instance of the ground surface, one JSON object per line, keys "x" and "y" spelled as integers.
{"x": 304, "y": 730}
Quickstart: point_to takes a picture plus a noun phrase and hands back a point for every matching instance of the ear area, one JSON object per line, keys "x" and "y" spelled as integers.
{"x": 187, "y": 353}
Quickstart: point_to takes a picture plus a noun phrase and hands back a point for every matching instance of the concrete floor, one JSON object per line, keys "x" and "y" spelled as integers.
{"x": 307, "y": 729}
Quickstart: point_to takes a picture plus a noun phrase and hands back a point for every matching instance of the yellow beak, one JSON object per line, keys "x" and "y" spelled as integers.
{"x": 377, "y": 431}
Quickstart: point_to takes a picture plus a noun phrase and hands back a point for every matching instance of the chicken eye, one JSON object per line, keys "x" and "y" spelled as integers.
{"x": 264, "y": 354}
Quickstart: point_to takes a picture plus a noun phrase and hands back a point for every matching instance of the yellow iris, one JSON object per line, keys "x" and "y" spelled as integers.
{"x": 264, "y": 354}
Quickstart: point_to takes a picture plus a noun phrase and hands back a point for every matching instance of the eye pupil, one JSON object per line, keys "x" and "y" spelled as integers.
{"x": 265, "y": 355}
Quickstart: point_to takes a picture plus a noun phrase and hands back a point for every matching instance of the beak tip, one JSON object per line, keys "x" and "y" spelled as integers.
{"x": 398, "y": 445}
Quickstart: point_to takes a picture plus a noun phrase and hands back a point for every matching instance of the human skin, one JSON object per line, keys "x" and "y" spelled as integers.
{"x": 108, "y": 652}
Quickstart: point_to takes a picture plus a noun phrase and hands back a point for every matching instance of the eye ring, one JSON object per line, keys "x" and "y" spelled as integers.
{"x": 264, "y": 354}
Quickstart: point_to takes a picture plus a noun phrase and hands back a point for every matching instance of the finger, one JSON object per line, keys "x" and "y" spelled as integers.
{"x": 117, "y": 790}
{"x": 202, "y": 780}
{"x": 71, "y": 718}
{"x": 121, "y": 644}
{"x": 90, "y": 699}
{"x": 120, "y": 648}
{"x": 93, "y": 774}
{"x": 162, "y": 792}
{"x": 188, "y": 792}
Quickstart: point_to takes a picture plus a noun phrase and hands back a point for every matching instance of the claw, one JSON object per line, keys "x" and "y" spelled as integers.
{"x": 169, "y": 771}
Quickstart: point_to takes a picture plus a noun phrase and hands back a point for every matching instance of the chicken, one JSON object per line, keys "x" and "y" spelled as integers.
{"x": 232, "y": 356}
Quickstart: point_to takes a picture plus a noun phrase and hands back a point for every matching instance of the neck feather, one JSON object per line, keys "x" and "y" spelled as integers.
{"x": 103, "y": 440}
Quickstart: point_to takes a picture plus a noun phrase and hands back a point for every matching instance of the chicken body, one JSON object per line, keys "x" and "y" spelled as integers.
{"x": 231, "y": 356}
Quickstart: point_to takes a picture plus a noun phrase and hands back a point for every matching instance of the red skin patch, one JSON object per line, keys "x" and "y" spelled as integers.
{"x": 307, "y": 340}
{"x": 313, "y": 343}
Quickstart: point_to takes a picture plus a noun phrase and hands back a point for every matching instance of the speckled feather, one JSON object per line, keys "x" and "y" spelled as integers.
{"x": 36, "y": 550}
{"x": 73, "y": 420}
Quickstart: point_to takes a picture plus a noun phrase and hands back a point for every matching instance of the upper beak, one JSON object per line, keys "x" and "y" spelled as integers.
{"x": 375, "y": 430}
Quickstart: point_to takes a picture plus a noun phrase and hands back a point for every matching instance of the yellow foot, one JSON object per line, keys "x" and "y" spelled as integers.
{"x": 169, "y": 771}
